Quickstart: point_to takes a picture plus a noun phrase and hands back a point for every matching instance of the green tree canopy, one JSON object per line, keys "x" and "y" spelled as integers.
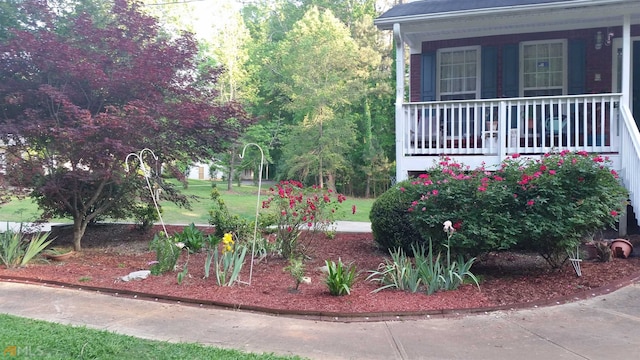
{"x": 80, "y": 91}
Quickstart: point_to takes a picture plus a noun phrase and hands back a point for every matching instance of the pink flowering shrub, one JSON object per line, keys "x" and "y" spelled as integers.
{"x": 298, "y": 208}
{"x": 478, "y": 202}
{"x": 544, "y": 205}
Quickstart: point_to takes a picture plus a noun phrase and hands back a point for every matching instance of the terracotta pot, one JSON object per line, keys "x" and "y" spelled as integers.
{"x": 60, "y": 257}
{"x": 621, "y": 248}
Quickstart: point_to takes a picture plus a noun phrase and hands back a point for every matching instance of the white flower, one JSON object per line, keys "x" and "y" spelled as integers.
{"x": 447, "y": 226}
{"x": 180, "y": 245}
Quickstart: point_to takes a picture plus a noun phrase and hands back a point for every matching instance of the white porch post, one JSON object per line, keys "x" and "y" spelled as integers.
{"x": 626, "y": 93}
{"x": 626, "y": 61}
{"x": 401, "y": 172}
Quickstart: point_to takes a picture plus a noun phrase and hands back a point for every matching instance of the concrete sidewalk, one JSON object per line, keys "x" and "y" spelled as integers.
{"x": 604, "y": 327}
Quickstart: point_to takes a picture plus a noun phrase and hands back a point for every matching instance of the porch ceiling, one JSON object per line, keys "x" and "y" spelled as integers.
{"x": 510, "y": 20}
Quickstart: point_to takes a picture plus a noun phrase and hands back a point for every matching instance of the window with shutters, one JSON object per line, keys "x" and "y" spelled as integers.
{"x": 459, "y": 73}
{"x": 543, "y": 67}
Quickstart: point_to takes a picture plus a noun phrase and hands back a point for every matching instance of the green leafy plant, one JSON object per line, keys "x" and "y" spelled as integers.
{"x": 191, "y": 237}
{"x": 211, "y": 247}
{"x": 182, "y": 274}
{"x": 299, "y": 208}
{"x": 330, "y": 234}
{"x": 267, "y": 222}
{"x": 167, "y": 253}
{"x": 145, "y": 215}
{"x": 225, "y": 222}
{"x": 296, "y": 268}
{"x": 391, "y": 222}
{"x": 340, "y": 277}
{"x": 16, "y": 250}
{"x": 265, "y": 247}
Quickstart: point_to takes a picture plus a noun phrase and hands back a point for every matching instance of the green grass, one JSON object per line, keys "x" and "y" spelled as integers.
{"x": 35, "y": 339}
{"x": 242, "y": 200}
{"x": 56, "y": 341}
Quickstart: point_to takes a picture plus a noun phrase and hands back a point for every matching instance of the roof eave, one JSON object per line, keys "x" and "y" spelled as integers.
{"x": 387, "y": 23}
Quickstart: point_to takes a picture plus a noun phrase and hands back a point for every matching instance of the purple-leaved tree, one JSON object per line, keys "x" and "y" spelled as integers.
{"x": 80, "y": 91}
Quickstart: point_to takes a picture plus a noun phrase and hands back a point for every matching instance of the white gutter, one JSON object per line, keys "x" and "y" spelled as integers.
{"x": 387, "y": 23}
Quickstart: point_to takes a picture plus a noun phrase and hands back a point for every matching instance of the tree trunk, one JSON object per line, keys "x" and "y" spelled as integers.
{"x": 320, "y": 154}
{"x": 367, "y": 190}
{"x": 320, "y": 176}
{"x": 331, "y": 182}
{"x": 79, "y": 227}
{"x": 231, "y": 168}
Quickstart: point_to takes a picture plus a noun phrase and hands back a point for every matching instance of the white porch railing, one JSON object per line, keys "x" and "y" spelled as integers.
{"x": 630, "y": 156}
{"x": 498, "y": 127}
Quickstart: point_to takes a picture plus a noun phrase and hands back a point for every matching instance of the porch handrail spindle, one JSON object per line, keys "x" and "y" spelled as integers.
{"x": 421, "y": 130}
{"x": 502, "y": 130}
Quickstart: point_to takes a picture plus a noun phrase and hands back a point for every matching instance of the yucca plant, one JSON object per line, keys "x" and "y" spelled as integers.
{"x": 10, "y": 250}
{"x": 340, "y": 277}
{"x": 16, "y": 251}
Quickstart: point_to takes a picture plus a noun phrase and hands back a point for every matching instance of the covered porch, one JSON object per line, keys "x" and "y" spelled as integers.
{"x": 477, "y": 132}
{"x": 479, "y": 81}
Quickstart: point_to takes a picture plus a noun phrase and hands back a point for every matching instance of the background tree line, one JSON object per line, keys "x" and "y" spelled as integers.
{"x": 317, "y": 76}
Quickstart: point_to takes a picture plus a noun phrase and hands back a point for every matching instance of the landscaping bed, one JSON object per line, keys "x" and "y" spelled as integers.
{"x": 507, "y": 279}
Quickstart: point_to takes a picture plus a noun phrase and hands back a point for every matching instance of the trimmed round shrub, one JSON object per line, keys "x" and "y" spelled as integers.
{"x": 391, "y": 223}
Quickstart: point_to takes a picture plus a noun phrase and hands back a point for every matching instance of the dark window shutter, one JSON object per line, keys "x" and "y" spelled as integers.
{"x": 577, "y": 69}
{"x": 489, "y": 73}
{"x": 510, "y": 70}
{"x": 428, "y": 80}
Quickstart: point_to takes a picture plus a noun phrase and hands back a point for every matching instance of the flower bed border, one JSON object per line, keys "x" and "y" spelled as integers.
{"x": 335, "y": 316}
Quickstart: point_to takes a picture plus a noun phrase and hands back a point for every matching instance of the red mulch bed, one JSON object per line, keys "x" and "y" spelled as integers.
{"x": 509, "y": 280}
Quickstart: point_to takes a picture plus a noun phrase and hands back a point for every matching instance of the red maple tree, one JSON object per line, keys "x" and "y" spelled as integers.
{"x": 79, "y": 92}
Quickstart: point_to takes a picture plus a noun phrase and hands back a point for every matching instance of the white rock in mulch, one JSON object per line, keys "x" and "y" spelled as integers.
{"x": 136, "y": 275}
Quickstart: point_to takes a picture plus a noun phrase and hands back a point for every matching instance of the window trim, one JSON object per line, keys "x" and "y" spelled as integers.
{"x": 439, "y": 52}
{"x": 565, "y": 60}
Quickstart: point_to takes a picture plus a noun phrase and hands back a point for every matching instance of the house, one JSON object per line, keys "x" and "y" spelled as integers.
{"x": 491, "y": 78}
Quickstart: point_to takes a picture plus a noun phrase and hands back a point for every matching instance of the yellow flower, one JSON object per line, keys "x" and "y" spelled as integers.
{"x": 227, "y": 248}
{"x": 227, "y": 239}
